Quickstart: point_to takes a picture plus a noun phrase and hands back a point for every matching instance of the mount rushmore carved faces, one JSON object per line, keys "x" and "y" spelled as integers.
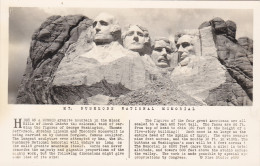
{"x": 185, "y": 49}
{"x": 161, "y": 54}
{"x": 106, "y": 29}
{"x": 136, "y": 38}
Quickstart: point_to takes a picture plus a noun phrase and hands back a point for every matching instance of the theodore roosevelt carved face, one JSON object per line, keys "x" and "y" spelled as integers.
{"x": 136, "y": 38}
{"x": 106, "y": 29}
{"x": 161, "y": 54}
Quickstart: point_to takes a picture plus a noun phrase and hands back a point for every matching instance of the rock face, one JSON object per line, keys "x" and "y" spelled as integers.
{"x": 66, "y": 67}
{"x": 231, "y": 29}
{"x": 247, "y": 44}
{"x": 48, "y": 46}
{"x": 204, "y": 71}
{"x": 236, "y": 60}
{"x": 238, "y": 87}
{"x": 221, "y": 73}
{"x": 92, "y": 75}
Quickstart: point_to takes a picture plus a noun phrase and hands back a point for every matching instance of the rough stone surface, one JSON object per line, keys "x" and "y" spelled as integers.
{"x": 231, "y": 29}
{"x": 246, "y": 43}
{"x": 109, "y": 70}
{"x": 48, "y": 46}
{"x": 204, "y": 72}
{"x": 229, "y": 93}
{"x": 220, "y": 75}
{"x": 219, "y": 25}
{"x": 235, "y": 59}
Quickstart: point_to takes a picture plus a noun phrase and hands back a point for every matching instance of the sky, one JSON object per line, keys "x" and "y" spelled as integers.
{"x": 161, "y": 22}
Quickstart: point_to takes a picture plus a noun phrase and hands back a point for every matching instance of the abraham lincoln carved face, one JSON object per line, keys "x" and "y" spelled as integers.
{"x": 185, "y": 48}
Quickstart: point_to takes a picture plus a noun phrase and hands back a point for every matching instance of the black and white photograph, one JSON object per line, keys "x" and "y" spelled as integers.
{"x": 103, "y": 56}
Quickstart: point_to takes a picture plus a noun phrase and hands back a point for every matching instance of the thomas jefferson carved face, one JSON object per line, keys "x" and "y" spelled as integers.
{"x": 161, "y": 54}
{"x": 185, "y": 47}
{"x": 135, "y": 38}
{"x": 105, "y": 25}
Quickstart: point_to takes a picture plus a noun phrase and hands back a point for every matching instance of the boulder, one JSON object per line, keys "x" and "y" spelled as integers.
{"x": 219, "y": 25}
{"x": 231, "y": 29}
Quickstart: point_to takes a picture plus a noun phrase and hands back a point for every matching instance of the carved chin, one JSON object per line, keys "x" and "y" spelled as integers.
{"x": 183, "y": 56}
{"x": 136, "y": 47}
{"x": 185, "y": 61}
{"x": 103, "y": 39}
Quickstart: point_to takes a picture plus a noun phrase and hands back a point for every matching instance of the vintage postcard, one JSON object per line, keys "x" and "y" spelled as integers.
{"x": 130, "y": 82}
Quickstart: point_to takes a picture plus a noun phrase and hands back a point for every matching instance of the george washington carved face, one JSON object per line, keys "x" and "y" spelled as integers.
{"x": 161, "y": 54}
{"x": 106, "y": 28}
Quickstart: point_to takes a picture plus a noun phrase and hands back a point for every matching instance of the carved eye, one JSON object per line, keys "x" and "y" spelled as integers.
{"x": 104, "y": 23}
{"x": 94, "y": 24}
{"x": 131, "y": 33}
{"x": 158, "y": 49}
{"x": 140, "y": 34}
{"x": 185, "y": 44}
{"x": 169, "y": 51}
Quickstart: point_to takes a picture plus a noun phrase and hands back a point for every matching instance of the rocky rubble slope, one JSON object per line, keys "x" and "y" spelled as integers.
{"x": 161, "y": 91}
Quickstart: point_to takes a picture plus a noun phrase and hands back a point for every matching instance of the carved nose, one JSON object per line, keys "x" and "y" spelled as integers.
{"x": 164, "y": 53}
{"x": 181, "y": 49}
{"x": 136, "y": 38}
{"x": 97, "y": 30}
